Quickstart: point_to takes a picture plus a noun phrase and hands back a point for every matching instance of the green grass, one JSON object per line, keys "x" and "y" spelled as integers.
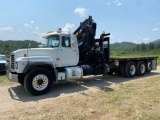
{"x": 137, "y": 100}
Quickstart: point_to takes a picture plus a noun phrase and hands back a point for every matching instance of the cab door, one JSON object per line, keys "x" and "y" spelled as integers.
{"x": 68, "y": 53}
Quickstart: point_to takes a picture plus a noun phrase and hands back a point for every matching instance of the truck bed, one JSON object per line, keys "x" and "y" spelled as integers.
{"x": 112, "y": 59}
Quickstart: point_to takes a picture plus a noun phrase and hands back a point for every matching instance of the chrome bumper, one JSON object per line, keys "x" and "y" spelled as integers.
{"x": 12, "y": 77}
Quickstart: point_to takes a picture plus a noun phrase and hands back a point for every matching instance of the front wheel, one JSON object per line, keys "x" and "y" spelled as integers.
{"x": 38, "y": 81}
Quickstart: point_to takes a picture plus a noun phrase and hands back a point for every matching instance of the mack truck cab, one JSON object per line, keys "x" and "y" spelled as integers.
{"x": 38, "y": 68}
{"x": 65, "y": 47}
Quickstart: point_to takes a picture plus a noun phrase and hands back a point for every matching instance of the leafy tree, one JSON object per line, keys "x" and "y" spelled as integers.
{"x": 157, "y": 46}
{"x": 151, "y": 46}
{"x": 138, "y": 47}
{"x": 143, "y": 47}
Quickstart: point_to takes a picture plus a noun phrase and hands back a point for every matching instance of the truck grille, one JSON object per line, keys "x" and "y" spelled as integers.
{"x": 12, "y": 61}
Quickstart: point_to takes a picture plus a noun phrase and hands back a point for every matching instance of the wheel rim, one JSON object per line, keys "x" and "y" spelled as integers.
{"x": 142, "y": 68}
{"x": 40, "y": 82}
{"x": 132, "y": 69}
{"x": 149, "y": 65}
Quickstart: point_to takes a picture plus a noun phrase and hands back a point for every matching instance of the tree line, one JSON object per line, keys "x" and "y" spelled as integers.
{"x": 8, "y": 46}
{"x": 144, "y": 47}
{"x": 117, "y": 49}
{"x": 125, "y": 48}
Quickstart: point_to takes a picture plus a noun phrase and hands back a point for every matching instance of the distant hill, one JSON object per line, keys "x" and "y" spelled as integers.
{"x": 128, "y": 48}
{"x": 6, "y": 47}
{"x": 122, "y": 46}
{"x": 156, "y": 41}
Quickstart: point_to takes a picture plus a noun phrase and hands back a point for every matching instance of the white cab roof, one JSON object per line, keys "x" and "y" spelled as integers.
{"x": 56, "y": 33}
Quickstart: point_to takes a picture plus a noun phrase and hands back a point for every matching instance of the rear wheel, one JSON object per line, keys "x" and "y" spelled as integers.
{"x": 130, "y": 69}
{"x": 148, "y": 66}
{"x": 38, "y": 81}
{"x": 141, "y": 68}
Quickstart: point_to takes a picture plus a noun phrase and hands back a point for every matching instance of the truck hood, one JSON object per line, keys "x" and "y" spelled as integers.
{"x": 35, "y": 52}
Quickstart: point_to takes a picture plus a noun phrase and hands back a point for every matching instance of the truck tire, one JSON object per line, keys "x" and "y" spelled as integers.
{"x": 130, "y": 69}
{"x": 38, "y": 81}
{"x": 148, "y": 66}
{"x": 122, "y": 69}
{"x": 141, "y": 68}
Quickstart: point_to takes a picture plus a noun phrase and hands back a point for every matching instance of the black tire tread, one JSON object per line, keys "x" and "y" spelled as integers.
{"x": 127, "y": 67}
{"x": 138, "y": 72}
{"x": 147, "y": 69}
{"x": 29, "y": 77}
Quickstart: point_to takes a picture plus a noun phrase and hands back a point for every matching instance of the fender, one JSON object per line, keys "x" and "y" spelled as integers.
{"x": 31, "y": 64}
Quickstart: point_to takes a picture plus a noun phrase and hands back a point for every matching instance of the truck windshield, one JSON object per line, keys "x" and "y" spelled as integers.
{"x": 2, "y": 58}
{"x": 53, "y": 41}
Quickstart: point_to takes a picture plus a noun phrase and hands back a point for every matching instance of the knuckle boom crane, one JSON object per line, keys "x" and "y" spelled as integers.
{"x": 92, "y": 51}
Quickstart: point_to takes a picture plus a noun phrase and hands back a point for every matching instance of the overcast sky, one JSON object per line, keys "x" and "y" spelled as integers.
{"x": 127, "y": 20}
